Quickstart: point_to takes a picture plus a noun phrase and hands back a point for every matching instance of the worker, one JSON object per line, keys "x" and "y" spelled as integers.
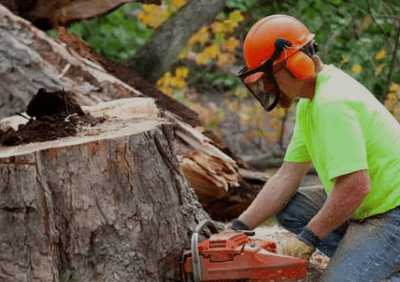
{"x": 348, "y": 136}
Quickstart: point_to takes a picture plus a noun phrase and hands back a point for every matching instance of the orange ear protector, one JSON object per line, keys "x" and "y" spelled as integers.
{"x": 299, "y": 63}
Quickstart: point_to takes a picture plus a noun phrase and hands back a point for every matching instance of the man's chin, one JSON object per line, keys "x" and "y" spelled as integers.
{"x": 285, "y": 102}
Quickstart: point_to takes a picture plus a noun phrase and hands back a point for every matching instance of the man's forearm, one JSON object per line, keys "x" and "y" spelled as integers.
{"x": 275, "y": 194}
{"x": 347, "y": 195}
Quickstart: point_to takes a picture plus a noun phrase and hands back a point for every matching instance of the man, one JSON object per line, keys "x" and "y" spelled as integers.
{"x": 353, "y": 143}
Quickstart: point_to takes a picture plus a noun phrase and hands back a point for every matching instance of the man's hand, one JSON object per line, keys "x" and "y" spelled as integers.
{"x": 297, "y": 248}
{"x": 236, "y": 225}
{"x": 303, "y": 245}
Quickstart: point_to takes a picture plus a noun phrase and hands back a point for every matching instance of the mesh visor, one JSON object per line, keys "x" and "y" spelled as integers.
{"x": 262, "y": 86}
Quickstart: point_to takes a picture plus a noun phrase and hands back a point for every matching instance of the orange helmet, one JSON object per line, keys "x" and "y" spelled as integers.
{"x": 272, "y": 40}
{"x": 260, "y": 42}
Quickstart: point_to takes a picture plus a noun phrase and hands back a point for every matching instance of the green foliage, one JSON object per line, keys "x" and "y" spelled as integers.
{"x": 242, "y": 5}
{"x": 350, "y": 34}
{"x": 225, "y": 80}
{"x": 114, "y": 35}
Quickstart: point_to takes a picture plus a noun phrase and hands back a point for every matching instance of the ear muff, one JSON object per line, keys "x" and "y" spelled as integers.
{"x": 300, "y": 65}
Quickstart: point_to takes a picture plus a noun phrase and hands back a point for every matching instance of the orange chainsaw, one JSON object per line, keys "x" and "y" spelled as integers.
{"x": 233, "y": 256}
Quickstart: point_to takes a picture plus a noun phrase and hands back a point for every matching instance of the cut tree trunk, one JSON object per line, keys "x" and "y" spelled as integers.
{"x": 109, "y": 204}
{"x": 30, "y": 60}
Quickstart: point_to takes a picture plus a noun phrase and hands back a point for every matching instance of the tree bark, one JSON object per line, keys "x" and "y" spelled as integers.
{"x": 161, "y": 51}
{"x": 110, "y": 204}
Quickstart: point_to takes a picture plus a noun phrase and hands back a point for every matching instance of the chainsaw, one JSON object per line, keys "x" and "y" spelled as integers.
{"x": 232, "y": 256}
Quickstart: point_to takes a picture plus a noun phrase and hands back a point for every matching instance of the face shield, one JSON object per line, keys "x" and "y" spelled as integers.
{"x": 261, "y": 82}
{"x": 262, "y": 86}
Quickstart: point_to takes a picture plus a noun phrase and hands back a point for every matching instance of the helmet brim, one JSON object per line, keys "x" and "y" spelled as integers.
{"x": 253, "y": 77}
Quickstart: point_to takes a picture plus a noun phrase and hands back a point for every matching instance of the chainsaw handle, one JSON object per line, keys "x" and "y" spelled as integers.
{"x": 206, "y": 223}
{"x": 196, "y": 263}
{"x": 247, "y": 232}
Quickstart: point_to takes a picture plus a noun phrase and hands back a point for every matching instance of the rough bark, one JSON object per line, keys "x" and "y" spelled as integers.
{"x": 160, "y": 53}
{"x": 110, "y": 204}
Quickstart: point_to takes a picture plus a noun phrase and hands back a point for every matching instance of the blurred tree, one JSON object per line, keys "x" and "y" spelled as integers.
{"x": 162, "y": 50}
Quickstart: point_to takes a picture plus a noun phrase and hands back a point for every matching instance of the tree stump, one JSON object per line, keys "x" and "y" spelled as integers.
{"x": 109, "y": 204}
{"x": 30, "y": 60}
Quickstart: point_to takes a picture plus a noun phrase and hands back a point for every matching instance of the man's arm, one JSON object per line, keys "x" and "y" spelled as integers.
{"x": 275, "y": 194}
{"x": 347, "y": 195}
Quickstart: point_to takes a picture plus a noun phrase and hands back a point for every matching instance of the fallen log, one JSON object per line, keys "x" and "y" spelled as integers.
{"x": 48, "y": 14}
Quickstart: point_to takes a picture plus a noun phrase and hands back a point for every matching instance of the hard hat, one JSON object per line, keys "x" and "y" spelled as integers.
{"x": 260, "y": 42}
{"x": 270, "y": 41}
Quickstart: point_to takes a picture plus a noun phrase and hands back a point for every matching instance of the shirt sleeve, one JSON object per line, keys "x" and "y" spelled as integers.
{"x": 297, "y": 150}
{"x": 342, "y": 139}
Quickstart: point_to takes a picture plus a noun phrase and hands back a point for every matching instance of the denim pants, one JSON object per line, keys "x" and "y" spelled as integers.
{"x": 366, "y": 250}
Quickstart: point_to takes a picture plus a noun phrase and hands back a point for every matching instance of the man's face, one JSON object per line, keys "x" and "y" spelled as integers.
{"x": 288, "y": 86}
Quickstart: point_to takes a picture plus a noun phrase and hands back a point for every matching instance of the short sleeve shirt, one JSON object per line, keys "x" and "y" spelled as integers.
{"x": 344, "y": 129}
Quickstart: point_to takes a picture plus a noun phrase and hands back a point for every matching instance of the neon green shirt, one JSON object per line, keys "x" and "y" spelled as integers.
{"x": 344, "y": 129}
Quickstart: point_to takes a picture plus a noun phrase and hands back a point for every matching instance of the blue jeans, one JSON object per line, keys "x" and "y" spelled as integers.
{"x": 366, "y": 250}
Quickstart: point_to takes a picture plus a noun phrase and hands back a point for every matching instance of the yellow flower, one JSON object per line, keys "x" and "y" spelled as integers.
{"x": 201, "y": 37}
{"x": 212, "y": 51}
{"x": 182, "y": 72}
{"x": 236, "y": 16}
{"x": 357, "y": 68}
{"x": 202, "y": 58}
{"x": 231, "y": 44}
{"x": 217, "y": 27}
{"x": 152, "y": 15}
{"x": 381, "y": 54}
{"x": 178, "y": 3}
{"x": 394, "y": 87}
{"x": 164, "y": 80}
{"x": 366, "y": 22}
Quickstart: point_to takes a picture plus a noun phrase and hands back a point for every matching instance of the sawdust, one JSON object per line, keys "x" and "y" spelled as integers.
{"x": 52, "y": 115}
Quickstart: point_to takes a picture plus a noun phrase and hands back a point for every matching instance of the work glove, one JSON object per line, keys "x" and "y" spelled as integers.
{"x": 236, "y": 225}
{"x": 301, "y": 246}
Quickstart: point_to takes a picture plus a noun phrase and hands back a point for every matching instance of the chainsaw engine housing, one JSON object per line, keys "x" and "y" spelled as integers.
{"x": 232, "y": 256}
